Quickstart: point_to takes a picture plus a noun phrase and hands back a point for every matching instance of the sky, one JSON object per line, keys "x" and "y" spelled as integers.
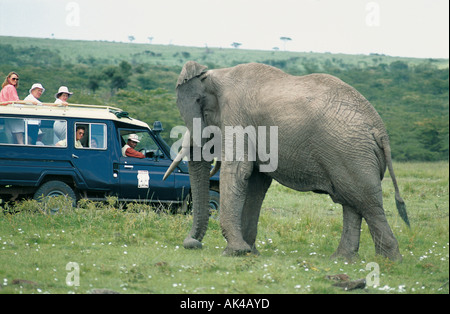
{"x": 406, "y": 28}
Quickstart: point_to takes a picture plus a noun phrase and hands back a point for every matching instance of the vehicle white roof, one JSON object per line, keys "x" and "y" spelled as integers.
{"x": 69, "y": 111}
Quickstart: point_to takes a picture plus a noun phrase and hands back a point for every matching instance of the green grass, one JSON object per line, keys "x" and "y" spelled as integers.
{"x": 140, "y": 250}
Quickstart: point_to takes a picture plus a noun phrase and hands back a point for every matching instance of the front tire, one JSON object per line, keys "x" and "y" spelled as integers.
{"x": 55, "y": 189}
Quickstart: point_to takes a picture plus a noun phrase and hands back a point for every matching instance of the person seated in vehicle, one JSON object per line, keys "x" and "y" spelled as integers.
{"x": 36, "y": 92}
{"x": 8, "y": 93}
{"x": 129, "y": 149}
{"x": 39, "y": 141}
{"x": 79, "y": 135}
{"x": 62, "y": 96}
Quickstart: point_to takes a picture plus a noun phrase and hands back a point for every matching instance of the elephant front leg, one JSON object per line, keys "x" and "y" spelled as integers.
{"x": 234, "y": 177}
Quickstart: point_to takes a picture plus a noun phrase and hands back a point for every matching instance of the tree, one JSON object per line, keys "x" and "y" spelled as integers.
{"x": 118, "y": 76}
{"x": 94, "y": 82}
{"x": 236, "y": 45}
{"x": 433, "y": 134}
{"x": 284, "y": 40}
{"x": 131, "y": 38}
{"x": 125, "y": 68}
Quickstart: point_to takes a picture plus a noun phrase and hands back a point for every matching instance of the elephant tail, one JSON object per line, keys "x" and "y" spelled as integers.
{"x": 400, "y": 203}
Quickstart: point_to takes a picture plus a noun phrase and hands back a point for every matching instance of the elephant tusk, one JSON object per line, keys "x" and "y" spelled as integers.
{"x": 215, "y": 169}
{"x": 176, "y": 162}
{"x": 185, "y": 148}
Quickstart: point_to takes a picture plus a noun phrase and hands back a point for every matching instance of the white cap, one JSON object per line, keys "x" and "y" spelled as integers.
{"x": 63, "y": 89}
{"x": 134, "y": 138}
{"x": 37, "y": 85}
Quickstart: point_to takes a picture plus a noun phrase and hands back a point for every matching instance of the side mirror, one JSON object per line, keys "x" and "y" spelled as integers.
{"x": 157, "y": 127}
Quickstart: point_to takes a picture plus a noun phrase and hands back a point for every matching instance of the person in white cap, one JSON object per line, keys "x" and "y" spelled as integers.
{"x": 36, "y": 92}
{"x": 62, "y": 95}
{"x": 60, "y": 126}
{"x": 129, "y": 149}
{"x": 33, "y": 125}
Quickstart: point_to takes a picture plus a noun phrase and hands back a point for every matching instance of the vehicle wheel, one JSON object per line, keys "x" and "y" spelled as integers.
{"x": 54, "y": 189}
{"x": 186, "y": 207}
{"x": 214, "y": 204}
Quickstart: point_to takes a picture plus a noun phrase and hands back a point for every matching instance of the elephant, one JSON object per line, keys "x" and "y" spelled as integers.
{"x": 330, "y": 140}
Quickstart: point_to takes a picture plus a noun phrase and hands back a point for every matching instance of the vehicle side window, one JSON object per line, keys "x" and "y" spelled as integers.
{"x": 32, "y": 132}
{"x": 90, "y": 136}
{"x": 13, "y": 131}
{"x": 3, "y": 137}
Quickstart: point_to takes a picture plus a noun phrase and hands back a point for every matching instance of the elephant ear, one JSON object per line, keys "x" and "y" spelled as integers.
{"x": 190, "y": 70}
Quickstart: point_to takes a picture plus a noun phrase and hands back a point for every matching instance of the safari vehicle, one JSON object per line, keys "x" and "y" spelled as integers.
{"x": 40, "y": 156}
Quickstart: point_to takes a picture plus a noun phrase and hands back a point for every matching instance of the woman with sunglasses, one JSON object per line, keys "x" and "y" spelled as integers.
{"x": 9, "y": 94}
{"x": 9, "y": 88}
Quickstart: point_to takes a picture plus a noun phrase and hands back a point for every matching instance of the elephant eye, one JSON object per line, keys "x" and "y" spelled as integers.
{"x": 201, "y": 100}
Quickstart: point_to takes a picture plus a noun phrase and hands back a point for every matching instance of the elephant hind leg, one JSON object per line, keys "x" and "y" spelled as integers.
{"x": 385, "y": 242}
{"x": 349, "y": 244}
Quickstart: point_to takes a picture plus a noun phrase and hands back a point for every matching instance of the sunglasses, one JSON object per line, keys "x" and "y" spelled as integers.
{"x": 15, "y": 79}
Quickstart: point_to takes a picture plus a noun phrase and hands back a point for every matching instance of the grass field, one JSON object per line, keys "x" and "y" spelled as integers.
{"x": 138, "y": 250}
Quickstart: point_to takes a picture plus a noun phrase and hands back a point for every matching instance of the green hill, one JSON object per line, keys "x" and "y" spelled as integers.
{"x": 410, "y": 94}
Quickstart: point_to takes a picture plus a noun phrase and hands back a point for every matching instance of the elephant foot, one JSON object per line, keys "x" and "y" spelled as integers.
{"x": 192, "y": 244}
{"x": 255, "y": 251}
{"x": 345, "y": 255}
{"x": 242, "y": 250}
{"x": 393, "y": 255}
{"x": 353, "y": 256}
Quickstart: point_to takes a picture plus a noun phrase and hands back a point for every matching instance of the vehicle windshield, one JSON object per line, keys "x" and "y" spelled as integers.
{"x": 146, "y": 144}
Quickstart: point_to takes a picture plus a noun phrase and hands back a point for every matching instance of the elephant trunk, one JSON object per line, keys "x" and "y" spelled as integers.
{"x": 199, "y": 176}
{"x": 199, "y": 172}
{"x": 190, "y": 94}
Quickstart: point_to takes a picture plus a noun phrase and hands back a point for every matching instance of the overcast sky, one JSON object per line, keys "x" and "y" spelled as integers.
{"x": 410, "y": 28}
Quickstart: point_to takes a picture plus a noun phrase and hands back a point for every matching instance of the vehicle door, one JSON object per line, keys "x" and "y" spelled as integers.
{"x": 91, "y": 155}
{"x": 141, "y": 179}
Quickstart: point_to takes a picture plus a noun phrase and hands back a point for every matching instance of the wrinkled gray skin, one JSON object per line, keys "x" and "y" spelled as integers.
{"x": 331, "y": 140}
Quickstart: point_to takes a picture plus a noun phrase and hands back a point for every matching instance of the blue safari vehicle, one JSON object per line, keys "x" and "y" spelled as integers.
{"x": 41, "y": 155}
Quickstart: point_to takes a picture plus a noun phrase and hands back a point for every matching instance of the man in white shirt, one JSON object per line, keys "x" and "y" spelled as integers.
{"x": 129, "y": 149}
{"x": 36, "y": 92}
{"x": 33, "y": 125}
